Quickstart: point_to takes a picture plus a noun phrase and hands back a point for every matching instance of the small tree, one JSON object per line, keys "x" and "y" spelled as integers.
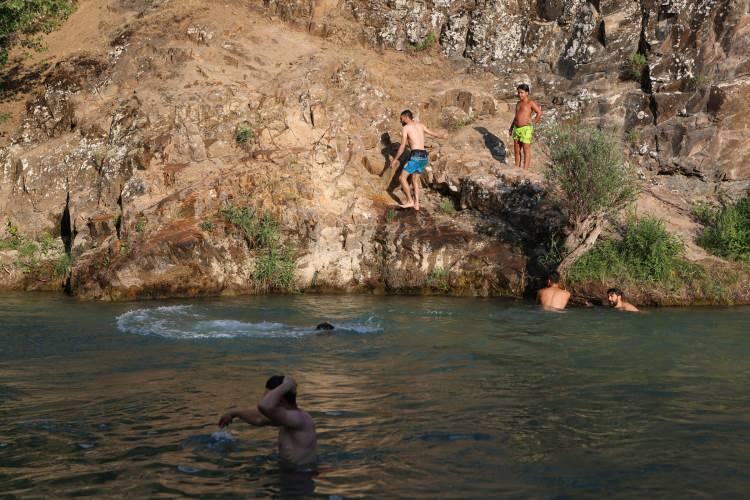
{"x": 590, "y": 179}
{"x": 22, "y": 20}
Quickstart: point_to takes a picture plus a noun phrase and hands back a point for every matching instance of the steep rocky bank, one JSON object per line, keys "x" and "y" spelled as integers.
{"x": 131, "y": 152}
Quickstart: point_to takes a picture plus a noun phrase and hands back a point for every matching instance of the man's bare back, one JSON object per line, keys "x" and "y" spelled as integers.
{"x": 553, "y": 298}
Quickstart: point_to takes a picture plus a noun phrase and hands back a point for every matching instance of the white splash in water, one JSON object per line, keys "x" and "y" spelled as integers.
{"x": 183, "y": 322}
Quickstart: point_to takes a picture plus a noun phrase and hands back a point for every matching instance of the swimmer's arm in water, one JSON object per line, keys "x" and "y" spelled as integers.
{"x": 252, "y": 417}
{"x": 434, "y": 134}
{"x": 270, "y": 406}
{"x": 404, "y": 138}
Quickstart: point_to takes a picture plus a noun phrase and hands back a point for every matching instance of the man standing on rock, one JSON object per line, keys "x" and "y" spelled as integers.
{"x": 413, "y": 134}
{"x": 521, "y": 129}
{"x": 553, "y": 298}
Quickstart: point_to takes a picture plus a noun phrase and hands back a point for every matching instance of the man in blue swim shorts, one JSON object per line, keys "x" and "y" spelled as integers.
{"x": 413, "y": 134}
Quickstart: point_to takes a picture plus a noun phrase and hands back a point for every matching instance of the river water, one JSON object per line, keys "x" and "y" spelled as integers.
{"x": 413, "y": 398}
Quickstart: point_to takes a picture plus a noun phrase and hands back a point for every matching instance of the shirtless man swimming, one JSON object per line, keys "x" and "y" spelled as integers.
{"x": 298, "y": 442}
{"x": 616, "y": 301}
{"x": 553, "y": 297}
{"x": 413, "y": 134}
{"x": 520, "y": 128}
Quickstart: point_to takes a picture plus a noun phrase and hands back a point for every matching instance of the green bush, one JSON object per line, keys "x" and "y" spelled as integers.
{"x": 646, "y": 253}
{"x": 140, "y": 225}
{"x": 428, "y": 42}
{"x": 275, "y": 264}
{"x": 5, "y": 117}
{"x": 439, "y": 278}
{"x": 22, "y": 20}
{"x": 390, "y": 215}
{"x": 634, "y": 66}
{"x": 460, "y": 123}
{"x": 727, "y": 229}
{"x": 63, "y": 265}
{"x": 446, "y": 207}
{"x": 274, "y": 270}
{"x": 260, "y": 231}
{"x": 207, "y": 225}
{"x": 244, "y": 134}
{"x": 588, "y": 173}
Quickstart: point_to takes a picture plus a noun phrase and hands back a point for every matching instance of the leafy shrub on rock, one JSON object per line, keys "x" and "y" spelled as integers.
{"x": 727, "y": 229}
{"x": 22, "y": 20}
{"x": 590, "y": 179}
{"x": 646, "y": 253}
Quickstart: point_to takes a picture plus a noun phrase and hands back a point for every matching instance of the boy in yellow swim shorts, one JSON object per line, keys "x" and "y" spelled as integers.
{"x": 521, "y": 129}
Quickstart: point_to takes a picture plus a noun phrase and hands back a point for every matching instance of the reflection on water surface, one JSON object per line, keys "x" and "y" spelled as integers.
{"x": 413, "y": 397}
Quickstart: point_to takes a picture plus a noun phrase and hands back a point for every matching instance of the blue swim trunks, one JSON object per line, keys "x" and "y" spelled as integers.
{"x": 417, "y": 161}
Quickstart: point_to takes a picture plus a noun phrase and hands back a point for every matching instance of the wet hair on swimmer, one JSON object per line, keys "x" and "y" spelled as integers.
{"x": 523, "y": 87}
{"x": 554, "y": 276}
{"x": 277, "y": 380}
{"x": 615, "y": 291}
{"x": 407, "y": 113}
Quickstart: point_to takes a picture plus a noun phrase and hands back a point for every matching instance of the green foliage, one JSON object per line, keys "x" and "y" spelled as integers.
{"x": 5, "y": 117}
{"x": 22, "y": 20}
{"x": 634, "y": 67}
{"x": 259, "y": 231}
{"x": 63, "y": 265}
{"x": 390, "y": 215}
{"x": 439, "y": 278}
{"x": 646, "y": 253}
{"x": 140, "y": 225}
{"x": 207, "y": 225}
{"x": 12, "y": 238}
{"x": 698, "y": 81}
{"x": 47, "y": 243}
{"x": 446, "y": 207}
{"x": 633, "y": 138}
{"x": 429, "y": 41}
{"x": 274, "y": 269}
{"x": 588, "y": 174}
{"x": 275, "y": 264}
{"x": 727, "y": 229}
{"x": 244, "y": 134}
{"x": 462, "y": 122}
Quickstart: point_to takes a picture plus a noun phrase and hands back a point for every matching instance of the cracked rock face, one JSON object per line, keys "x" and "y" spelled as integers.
{"x": 137, "y": 149}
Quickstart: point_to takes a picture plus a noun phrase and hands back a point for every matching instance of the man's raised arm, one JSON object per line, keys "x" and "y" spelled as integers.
{"x": 272, "y": 408}
{"x": 435, "y": 134}
{"x": 252, "y": 417}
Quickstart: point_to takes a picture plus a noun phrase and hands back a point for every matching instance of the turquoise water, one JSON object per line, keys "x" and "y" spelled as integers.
{"x": 413, "y": 397}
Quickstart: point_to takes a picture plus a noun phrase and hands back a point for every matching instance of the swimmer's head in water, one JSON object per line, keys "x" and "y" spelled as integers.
{"x": 406, "y": 117}
{"x": 553, "y": 277}
{"x": 325, "y": 326}
{"x": 277, "y": 380}
{"x": 613, "y": 295}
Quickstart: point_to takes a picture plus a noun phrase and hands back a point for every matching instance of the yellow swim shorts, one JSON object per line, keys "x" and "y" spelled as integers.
{"x": 523, "y": 134}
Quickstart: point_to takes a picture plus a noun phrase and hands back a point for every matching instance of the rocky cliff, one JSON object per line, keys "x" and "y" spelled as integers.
{"x": 152, "y": 122}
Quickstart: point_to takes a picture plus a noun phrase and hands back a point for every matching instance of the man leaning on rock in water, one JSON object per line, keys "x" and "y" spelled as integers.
{"x": 616, "y": 299}
{"x": 413, "y": 134}
{"x": 553, "y": 297}
{"x": 298, "y": 442}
